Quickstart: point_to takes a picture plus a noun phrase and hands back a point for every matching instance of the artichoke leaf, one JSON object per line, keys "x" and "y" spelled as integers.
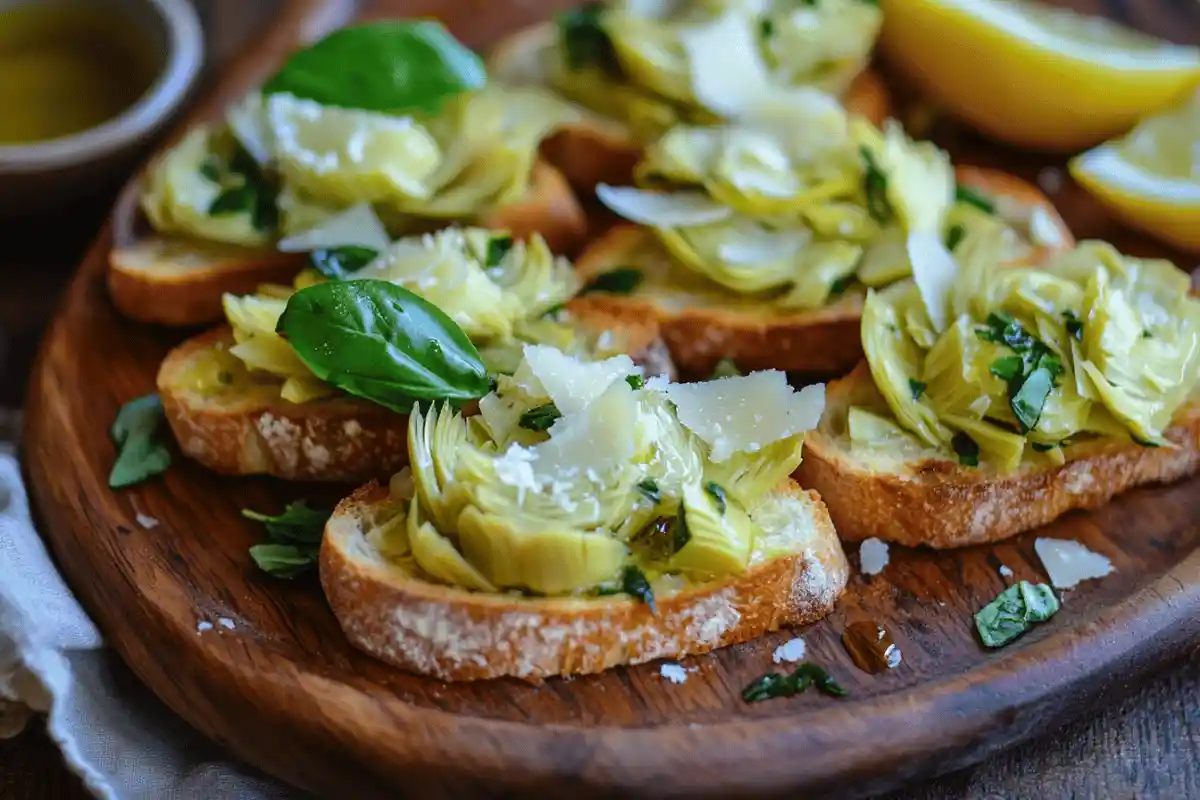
{"x": 719, "y": 542}
{"x": 886, "y": 259}
{"x": 748, "y": 477}
{"x": 818, "y": 267}
{"x": 957, "y": 371}
{"x": 436, "y": 555}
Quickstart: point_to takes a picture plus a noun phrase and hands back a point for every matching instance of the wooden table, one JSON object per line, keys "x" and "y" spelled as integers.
{"x": 1145, "y": 744}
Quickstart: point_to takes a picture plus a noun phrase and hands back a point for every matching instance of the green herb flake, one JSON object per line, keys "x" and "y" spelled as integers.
{"x": 875, "y": 185}
{"x": 726, "y": 368}
{"x": 236, "y": 200}
{"x": 622, "y": 280}
{"x": 540, "y": 418}
{"x": 635, "y": 381}
{"x": 916, "y": 387}
{"x": 773, "y": 684}
{"x": 585, "y": 41}
{"x": 140, "y": 453}
{"x": 964, "y": 194}
{"x": 1014, "y": 612}
{"x": 497, "y": 248}
{"x": 717, "y": 493}
{"x": 680, "y": 533}
{"x": 210, "y": 168}
{"x": 1074, "y": 325}
{"x": 1147, "y": 333}
{"x": 293, "y": 539}
{"x": 391, "y": 66}
{"x": 635, "y": 584}
{"x": 954, "y": 236}
{"x": 1007, "y": 368}
{"x": 650, "y": 491}
{"x": 378, "y": 341}
{"x": 339, "y": 263}
{"x": 839, "y": 286}
{"x": 1030, "y": 399}
{"x": 966, "y": 449}
{"x": 766, "y": 27}
{"x": 1039, "y": 447}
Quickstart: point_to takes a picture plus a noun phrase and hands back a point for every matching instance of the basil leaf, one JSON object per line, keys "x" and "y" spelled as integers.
{"x": 298, "y": 524}
{"x": 1007, "y": 368}
{"x": 381, "y": 342}
{"x": 634, "y": 584}
{"x": 969, "y": 196}
{"x": 393, "y": 66}
{"x": 585, "y": 41}
{"x": 650, "y": 491}
{"x": 773, "y": 685}
{"x": 954, "y": 236}
{"x": 966, "y": 448}
{"x": 635, "y": 381}
{"x": 875, "y": 184}
{"x": 726, "y": 368}
{"x": 916, "y": 387}
{"x": 622, "y": 280}
{"x": 497, "y": 248}
{"x": 1074, "y": 325}
{"x": 135, "y": 432}
{"x": 338, "y": 263}
{"x": 1030, "y": 399}
{"x": 540, "y": 418}
{"x": 285, "y": 560}
{"x": 717, "y": 492}
{"x": 1014, "y": 611}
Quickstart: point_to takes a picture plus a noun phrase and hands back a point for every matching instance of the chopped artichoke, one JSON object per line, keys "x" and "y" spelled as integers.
{"x": 719, "y": 541}
{"x": 436, "y": 555}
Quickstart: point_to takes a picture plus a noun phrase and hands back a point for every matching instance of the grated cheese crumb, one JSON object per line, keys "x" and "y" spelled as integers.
{"x": 1005, "y": 571}
{"x": 873, "y": 556}
{"x": 1068, "y": 562}
{"x": 225, "y": 623}
{"x": 790, "y": 651}
{"x": 203, "y": 625}
{"x": 146, "y": 521}
{"x": 674, "y": 673}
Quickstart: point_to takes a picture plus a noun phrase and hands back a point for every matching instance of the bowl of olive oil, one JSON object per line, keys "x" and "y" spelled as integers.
{"x": 84, "y": 84}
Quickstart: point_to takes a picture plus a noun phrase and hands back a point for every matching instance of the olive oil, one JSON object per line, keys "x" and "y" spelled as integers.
{"x": 66, "y": 68}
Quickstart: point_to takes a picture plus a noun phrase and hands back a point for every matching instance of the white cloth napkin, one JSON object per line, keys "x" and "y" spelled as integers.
{"x": 112, "y": 731}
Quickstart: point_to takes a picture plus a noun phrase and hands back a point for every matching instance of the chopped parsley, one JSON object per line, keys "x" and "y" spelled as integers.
{"x": 584, "y": 40}
{"x": 622, "y": 280}
{"x": 839, "y": 287}
{"x": 650, "y": 491}
{"x": 1038, "y": 447}
{"x": 916, "y": 387}
{"x": 1074, "y": 325}
{"x": 635, "y": 584}
{"x": 966, "y": 449}
{"x": 717, "y": 493}
{"x": 1147, "y": 333}
{"x": 954, "y": 236}
{"x": 497, "y": 248}
{"x": 766, "y": 27}
{"x": 540, "y": 417}
{"x": 971, "y": 197}
{"x": 245, "y": 188}
{"x": 635, "y": 381}
{"x": 773, "y": 684}
{"x": 1030, "y": 373}
{"x": 1014, "y": 612}
{"x": 1007, "y": 367}
{"x": 875, "y": 184}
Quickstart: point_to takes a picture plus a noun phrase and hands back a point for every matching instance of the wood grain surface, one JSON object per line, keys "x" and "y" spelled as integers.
{"x": 283, "y": 690}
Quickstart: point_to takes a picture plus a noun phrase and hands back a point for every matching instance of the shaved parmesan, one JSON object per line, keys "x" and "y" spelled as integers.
{"x": 1068, "y": 562}
{"x": 573, "y": 384}
{"x": 726, "y": 65}
{"x": 790, "y": 651}
{"x": 873, "y": 556}
{"x": 674, "y": 673}
{"x": 935, "y": 271}
{"x": 745, "y": 414}
{"x": 759, "y": 246}
{"x": 596, "y": 440}
{"x": 1042, "y": 229}
{"x": 357, "y": 226}
{"x": 248, "y": 123}
{"x": 662, "y": 209}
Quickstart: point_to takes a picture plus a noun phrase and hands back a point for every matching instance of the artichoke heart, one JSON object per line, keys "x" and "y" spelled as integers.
{"x": 748, "y": 477}
{"x": 514, "y": 552}
{"x": 436, "y": 555}
{"x": 720, "y": 536}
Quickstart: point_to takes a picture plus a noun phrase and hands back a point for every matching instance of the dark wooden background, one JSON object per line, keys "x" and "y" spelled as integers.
{"x": 1144, "y": 744}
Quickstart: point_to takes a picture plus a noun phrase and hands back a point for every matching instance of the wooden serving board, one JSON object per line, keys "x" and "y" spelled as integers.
{"x": 280, "y": 687}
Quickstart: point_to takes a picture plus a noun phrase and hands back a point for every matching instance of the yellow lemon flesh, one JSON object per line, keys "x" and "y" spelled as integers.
{"x": 1151, "y": 177}
{"x": 1031, "y": 75}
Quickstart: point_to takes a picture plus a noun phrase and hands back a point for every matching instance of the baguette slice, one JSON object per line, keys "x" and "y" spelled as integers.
{"x": 937, "y": 503}
{"x": 700, "y": 330}
{"x": 179, "y": 281}
{"x": 602, "y": 150}
{"x": 452, "y": 634}
{"x": 246, "y": 428}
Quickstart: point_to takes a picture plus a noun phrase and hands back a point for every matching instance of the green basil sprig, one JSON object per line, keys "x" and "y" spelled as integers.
{"x": 1014, "y": 611}
{"x": 293, "y": 539}
{"x": 381, "y": 342}
{"x": 142, "y": 454}
{"x": 397, "y": 65}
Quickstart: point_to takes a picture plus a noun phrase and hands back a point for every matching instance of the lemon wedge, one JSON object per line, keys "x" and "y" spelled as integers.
{"x": 1151, "y": 177}
{"x": 1031, "y": 75}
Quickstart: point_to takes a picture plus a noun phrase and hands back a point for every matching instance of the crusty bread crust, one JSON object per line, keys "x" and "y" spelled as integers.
{"x": 339, "y": 439}
{"x": 179, "y": 281}
{"x": 603, "y": 151}
{"x": 452, "y": 634}
{"x": 822, "y": 341}
{"x": 940, "y": 504}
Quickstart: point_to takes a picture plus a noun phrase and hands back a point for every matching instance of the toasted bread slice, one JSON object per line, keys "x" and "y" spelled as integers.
{"x": 234, "y": 421}
{"x": 701, "y": 328}
{"x": 179, "y": 281}
{"x": 602, "y": 150}
{"x": 932, "y": 501}
{"x": 449, "y": 633}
